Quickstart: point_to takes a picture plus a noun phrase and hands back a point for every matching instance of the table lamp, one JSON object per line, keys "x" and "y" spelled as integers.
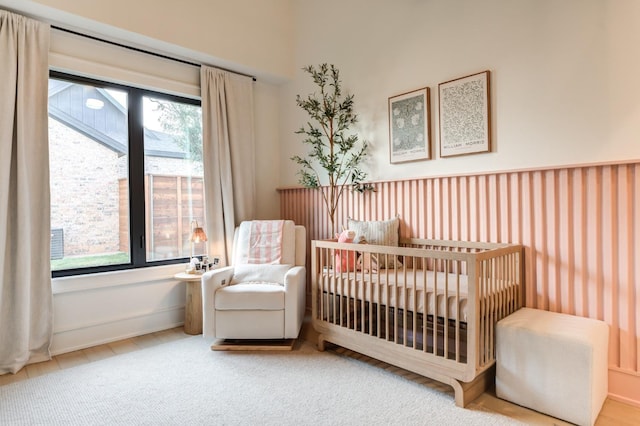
{"x": 197, "y": 236}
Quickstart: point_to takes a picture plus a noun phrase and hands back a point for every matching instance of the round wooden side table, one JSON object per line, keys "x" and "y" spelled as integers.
{"x": 193, "y": 303}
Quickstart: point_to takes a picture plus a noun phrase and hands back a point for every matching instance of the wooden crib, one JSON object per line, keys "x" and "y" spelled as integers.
{"x": 434, "y": 313}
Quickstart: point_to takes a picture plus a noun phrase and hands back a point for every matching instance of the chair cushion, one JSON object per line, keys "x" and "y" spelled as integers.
{"x": 259, "y": 274}
{"x": 250, "y": 296}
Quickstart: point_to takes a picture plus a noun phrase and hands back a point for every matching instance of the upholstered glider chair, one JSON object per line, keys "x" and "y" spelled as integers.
{"x": 262, "y": 294}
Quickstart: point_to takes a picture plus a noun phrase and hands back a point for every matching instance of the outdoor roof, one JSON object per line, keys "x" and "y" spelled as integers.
{"x": 107, "y": 125}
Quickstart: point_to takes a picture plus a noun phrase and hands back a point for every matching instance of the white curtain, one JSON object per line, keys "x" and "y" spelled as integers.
{"x": 229, "y": 155}
{"x": 25, "y": 234}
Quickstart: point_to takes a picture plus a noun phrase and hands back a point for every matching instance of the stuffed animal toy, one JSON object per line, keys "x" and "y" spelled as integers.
{"x": 345, "y": 260}
{"x": 367, "y": 262}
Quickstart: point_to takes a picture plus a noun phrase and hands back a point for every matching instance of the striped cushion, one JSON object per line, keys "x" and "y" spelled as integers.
{"x": 383, "y": 232}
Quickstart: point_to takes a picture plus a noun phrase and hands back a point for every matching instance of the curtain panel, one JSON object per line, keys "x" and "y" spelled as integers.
{"x": 25, "y": 277}
{"x": 229, "y": 155}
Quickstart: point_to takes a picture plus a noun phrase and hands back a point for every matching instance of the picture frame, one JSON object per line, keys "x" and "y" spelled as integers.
{"x": 465, "y": 115}
{"x": 410, "y": 126}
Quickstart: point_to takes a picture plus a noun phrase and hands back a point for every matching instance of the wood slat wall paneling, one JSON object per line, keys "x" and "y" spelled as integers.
{"x": 579, "y": 226}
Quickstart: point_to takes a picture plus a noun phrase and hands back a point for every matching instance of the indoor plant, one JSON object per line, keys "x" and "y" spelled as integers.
{"x": 334, "y": 150}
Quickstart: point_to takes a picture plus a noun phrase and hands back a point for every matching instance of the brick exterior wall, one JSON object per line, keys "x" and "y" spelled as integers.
{"x": 85, "y": 204}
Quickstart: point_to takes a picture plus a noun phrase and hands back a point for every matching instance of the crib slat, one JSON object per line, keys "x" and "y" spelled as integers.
{"x": 457, "y": 320}
{"x": 370, "y": 292}
{"x": 446, "y": 309}
{"x": 335, "y": 291}
{"x": 425, "y": 305}
{"x": 405, "y": 301}
{"x": 492, "y": 306}
{"x": 319, "y": 292}
{"x": 379, "y": 308}
{"x": 436, "y": 266}
{"x": 415, "y": 303}
{"x": 386, "y": 317}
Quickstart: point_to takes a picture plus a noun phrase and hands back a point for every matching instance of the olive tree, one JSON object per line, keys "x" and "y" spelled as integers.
{"x": 334, "y": 150}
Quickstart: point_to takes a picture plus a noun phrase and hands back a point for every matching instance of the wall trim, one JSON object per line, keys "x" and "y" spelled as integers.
{"x": 489, "y": 172}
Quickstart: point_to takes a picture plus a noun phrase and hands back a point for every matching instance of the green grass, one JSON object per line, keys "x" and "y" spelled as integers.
{"x": 74, "y": 262}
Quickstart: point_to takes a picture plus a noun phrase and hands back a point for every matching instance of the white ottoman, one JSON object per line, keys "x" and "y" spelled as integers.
{"x": 553, "y": 363}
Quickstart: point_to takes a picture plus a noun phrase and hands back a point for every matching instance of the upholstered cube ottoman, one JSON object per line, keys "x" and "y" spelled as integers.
{"x": 553, "y": 363}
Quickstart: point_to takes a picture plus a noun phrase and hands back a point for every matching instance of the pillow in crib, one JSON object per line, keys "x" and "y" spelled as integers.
{"x": 381, "y": 232}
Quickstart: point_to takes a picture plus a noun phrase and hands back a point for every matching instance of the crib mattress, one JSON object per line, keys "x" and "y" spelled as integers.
{"x": 446, "y": 294}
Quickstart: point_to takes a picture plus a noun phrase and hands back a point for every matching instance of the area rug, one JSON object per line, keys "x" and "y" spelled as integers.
{"x": 185, "y": 383}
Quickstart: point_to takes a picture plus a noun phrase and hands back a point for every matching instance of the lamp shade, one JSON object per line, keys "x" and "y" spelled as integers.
{"x": 198, "y": 235}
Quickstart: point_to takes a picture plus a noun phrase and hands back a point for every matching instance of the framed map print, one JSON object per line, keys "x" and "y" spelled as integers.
{"x": 464, "y": 115}
{"x": 410, "y": 126}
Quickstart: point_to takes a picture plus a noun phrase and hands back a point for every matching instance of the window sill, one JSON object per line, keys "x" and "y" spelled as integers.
{"x": 87, "y": 282}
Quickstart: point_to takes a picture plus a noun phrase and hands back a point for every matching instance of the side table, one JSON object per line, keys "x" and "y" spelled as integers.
{"x": 193, "y": 304}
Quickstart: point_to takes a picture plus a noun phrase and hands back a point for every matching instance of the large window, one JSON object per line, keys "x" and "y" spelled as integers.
{"x": 126, "y": 176}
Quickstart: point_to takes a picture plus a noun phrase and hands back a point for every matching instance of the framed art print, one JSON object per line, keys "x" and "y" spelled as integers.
{"x": 410, "y": 126}
{"x": 464, "y": 115}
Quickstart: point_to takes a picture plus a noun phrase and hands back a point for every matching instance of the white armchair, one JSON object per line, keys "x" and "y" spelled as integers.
{"x": 251, "y": 300}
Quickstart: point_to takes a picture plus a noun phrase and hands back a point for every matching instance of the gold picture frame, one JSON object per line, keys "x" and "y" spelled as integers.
{"x": 410, "y": 126}
{"x": 465, "y": 115}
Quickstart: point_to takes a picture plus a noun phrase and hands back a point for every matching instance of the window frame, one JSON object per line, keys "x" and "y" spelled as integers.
{"x": 136, "y": 170}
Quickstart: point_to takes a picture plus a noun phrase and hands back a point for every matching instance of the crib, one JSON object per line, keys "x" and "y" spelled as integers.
{"x": 432, "y": 310}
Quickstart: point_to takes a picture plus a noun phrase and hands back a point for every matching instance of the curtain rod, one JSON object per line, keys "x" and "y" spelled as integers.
{"x": 136, "y": 49}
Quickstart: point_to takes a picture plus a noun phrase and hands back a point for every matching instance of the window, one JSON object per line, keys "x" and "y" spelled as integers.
{"x": 174, "y": 187}
{"x": 126, "y": 176}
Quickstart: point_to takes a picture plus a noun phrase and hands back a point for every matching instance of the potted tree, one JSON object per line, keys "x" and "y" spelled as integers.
{"x": 335, "y": 152}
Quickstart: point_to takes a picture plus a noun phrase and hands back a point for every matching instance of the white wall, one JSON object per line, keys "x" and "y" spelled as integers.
{"x": 90, "y": 310}
{"x": 253, "y": 37}
{"x": 244, "y": 36}
{"x": 564, "y": 75}
{"x": 267, "y": 119}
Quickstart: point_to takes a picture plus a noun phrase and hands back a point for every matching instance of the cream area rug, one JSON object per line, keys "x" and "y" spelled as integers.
{"x": 185, "y": 383}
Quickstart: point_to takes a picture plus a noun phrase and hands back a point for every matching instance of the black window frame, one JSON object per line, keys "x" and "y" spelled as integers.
{"x": 135, "y": 122}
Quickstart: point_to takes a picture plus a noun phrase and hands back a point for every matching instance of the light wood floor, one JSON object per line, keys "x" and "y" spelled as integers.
{"x": 613, "y": 413}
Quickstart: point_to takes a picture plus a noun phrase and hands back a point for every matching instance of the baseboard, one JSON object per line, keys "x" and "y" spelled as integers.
{"x": 624, "y": 386}
{"x": 124, "y": 328}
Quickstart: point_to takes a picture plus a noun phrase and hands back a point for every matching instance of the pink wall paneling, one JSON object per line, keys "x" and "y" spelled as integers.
{"x": 579, "y": 226}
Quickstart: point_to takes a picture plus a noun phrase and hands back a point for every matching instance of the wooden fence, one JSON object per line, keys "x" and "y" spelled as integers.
{"x": 172, "y": 202}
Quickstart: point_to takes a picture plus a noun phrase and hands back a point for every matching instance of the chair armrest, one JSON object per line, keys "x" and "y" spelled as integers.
{"x": 295, "y": 278}
{"x": 211, "y": 282}
{"x": 219, "y": 276}
{"x": 295, "y": 294}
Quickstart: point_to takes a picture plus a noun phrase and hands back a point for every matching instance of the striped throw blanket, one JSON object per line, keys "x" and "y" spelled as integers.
{"x": 265, "y": 241}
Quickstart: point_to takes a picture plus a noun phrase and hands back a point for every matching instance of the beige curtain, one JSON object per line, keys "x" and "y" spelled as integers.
{"x": 229, "y": 155}
{"x": 25, "y": 235}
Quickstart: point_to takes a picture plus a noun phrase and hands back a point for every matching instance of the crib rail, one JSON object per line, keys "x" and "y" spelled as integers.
{"x": 442, "y": 299}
